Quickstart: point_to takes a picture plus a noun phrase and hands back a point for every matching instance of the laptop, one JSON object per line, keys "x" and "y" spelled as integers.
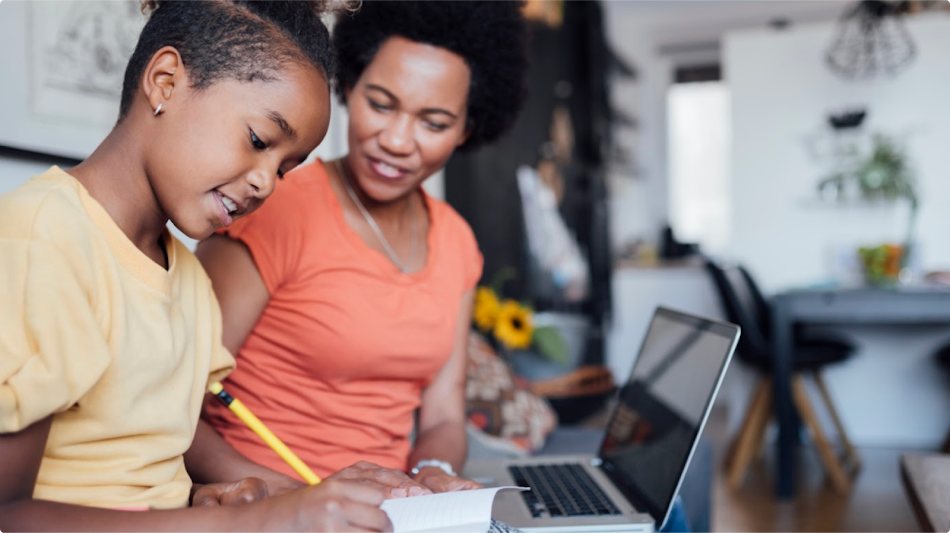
{"x": 631, "y": 483}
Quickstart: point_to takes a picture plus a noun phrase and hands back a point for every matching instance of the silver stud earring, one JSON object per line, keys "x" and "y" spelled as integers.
{"x": 158, "y": 109}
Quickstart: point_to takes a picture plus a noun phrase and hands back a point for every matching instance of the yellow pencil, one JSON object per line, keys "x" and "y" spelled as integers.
{"x": 265, "y": 434}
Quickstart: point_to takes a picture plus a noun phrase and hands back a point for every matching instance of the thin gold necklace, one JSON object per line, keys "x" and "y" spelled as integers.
{"x": 404, "y": 268}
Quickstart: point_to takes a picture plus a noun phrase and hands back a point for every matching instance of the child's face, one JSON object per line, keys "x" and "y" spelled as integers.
{"x": 217, "y": 152}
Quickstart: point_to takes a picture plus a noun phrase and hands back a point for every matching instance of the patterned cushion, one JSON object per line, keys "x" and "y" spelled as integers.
{"x": 500, "y": 404}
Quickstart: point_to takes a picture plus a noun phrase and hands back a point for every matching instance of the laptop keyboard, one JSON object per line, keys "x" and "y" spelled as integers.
{"x": 561, "y": 490}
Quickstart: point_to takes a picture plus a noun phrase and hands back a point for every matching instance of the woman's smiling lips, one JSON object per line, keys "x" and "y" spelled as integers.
{"x": 386, "y": 170}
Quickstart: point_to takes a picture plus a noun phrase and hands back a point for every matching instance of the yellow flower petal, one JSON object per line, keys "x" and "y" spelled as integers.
{"x": 486, "y": 309}
{"x": 514, "y": 326}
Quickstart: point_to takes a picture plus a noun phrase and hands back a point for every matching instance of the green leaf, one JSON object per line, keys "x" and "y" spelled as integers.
{"x": 550, "y": 344}
{"x": 498, "y": 281}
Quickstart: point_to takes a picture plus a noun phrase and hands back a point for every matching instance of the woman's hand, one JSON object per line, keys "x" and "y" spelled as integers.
{"x": 395, "y": 483}
{"x": 244, "y": 491}
{"x": 438, "y": 481}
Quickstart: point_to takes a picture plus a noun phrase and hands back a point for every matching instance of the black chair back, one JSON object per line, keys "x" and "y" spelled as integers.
{"x": 745, "y": 306}
{"x": 763, "y": 309}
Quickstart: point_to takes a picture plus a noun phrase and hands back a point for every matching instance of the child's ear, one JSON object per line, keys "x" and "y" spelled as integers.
{"x": 163, "y": 74}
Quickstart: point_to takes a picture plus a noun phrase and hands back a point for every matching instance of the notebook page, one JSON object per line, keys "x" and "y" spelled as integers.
{"x": 464, "y": 510}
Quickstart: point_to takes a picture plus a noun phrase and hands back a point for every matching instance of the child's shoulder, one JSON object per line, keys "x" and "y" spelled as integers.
{"x": 45, "y": 206}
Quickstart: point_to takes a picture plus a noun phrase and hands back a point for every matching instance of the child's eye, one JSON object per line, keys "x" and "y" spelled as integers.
{"x": 435, "y": 126}
{"x": 257, "y": 142}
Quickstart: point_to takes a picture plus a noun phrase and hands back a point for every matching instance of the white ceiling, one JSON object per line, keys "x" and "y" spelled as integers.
{"x": 652, "y": 5}
{"x": 678, "y": 23}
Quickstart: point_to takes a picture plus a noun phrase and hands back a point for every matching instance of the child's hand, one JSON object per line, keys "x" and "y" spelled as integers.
{"x": 438, "y": 481}
{"x": 333, "y": 505}
{"x": 396, "y": 484}
{"x": 247, "y": 490}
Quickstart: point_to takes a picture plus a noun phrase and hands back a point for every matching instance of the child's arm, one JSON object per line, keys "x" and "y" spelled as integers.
{"x": 330, "y": 506}
{"x": 212, "y": 460}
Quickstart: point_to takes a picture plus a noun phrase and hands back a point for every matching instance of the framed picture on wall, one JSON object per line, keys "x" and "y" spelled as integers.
{"x": 63, "y": 65}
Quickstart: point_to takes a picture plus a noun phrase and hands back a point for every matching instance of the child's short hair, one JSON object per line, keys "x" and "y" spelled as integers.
{"x": 236, "y": 39}
{"x": 490, "y": 36}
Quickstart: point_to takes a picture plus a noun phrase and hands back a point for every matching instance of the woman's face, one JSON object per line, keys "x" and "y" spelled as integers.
{"x": 217, "y": 152}
{"x": 407, "y": 116}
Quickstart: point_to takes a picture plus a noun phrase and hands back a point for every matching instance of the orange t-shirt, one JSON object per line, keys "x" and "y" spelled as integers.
{"x": 338, "y": 360}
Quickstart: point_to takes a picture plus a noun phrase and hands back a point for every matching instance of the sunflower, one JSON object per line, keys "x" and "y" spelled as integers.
{"x": 486, "y": 309}
{"x": 515, "y": 327}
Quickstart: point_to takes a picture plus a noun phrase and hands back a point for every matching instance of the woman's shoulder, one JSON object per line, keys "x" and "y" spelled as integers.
{"x": 451, "y": 227}
{"x": 296, "y": 199}
{"x": 447, "y": 219}
{"x": 300, "y": 186}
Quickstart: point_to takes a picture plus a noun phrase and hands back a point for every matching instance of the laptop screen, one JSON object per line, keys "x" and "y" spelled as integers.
{"x": 663, "y": 406}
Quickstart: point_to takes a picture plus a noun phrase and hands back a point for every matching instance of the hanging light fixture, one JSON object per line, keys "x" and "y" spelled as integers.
{"x": 872, "y": 39}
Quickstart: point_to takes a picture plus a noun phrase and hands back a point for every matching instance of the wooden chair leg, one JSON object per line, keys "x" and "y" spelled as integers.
{"x": 839, "y": 479}
{"x": 757, "y": 416}
{"x": 759, "y": 452}
{"x": 850, "y": 451}
{"x": 730, "y": 457}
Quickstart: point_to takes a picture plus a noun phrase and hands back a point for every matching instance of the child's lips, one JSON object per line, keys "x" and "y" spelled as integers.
{"x": 223, "y": 215}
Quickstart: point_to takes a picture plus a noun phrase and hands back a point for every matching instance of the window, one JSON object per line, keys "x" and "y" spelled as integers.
{"x": 698, "y": 148}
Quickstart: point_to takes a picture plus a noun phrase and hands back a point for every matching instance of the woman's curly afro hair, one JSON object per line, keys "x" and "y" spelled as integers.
{"x": 490, "y": 36}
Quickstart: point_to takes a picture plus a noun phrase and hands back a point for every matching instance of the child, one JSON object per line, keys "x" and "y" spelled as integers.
{"x": 109, "y": 329}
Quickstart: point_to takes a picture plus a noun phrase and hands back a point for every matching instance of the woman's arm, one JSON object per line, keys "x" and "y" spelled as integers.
{"x": 237, "y": 284}
{"x": 442, "y": 415}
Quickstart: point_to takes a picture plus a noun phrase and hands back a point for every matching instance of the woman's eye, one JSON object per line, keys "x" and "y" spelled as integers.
{"x": 257, "y": 142}
{"x": 435, "y": 126}
{"x": 377, "y": 106}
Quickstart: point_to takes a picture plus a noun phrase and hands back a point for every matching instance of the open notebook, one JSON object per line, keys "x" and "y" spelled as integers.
{"x": 462, "y": 511}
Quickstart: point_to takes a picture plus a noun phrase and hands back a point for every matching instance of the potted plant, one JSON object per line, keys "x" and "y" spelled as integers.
{"x": 885, "y": 175}
{"x": 510, "y": 324}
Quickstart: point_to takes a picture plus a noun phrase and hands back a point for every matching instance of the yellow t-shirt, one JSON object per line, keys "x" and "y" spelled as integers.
{"x": 116, "y": 347}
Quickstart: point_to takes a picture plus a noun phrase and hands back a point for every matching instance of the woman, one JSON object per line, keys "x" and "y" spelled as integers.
{"x": 348, "y": 297}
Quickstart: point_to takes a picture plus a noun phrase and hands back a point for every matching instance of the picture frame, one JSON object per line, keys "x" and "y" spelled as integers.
{"x": 62, "y": 68}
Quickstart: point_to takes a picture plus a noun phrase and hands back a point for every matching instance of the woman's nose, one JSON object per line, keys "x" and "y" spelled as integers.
{"x": 396, "y": 137}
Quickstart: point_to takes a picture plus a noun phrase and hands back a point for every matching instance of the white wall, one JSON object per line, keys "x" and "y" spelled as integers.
{"x": 15, "y": 171}
{"x": 781, "y": 94}
{"x": 891, "y": 393}
{"x": 655, "y": 37}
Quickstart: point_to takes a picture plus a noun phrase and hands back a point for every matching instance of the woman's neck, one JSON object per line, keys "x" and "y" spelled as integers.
{"x": 392, "y": 214}
{"x": 115, "y": 177}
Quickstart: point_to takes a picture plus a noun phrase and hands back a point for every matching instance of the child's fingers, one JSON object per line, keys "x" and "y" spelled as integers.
{"x": 206, "y": 496}
{"x": 244, "y": 491}
{"x": 239, "y": 492}
{"x": 365, "y": 517}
